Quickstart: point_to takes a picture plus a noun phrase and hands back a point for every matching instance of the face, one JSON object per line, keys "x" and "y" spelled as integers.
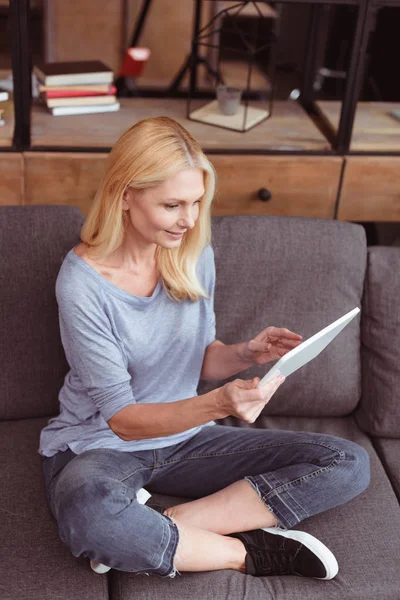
{"x": 172, "y": 206}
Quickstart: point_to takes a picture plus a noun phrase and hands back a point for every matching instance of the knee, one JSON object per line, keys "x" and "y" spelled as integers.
{"x": 356, "y": 470}
{"x": 85, "y": 510}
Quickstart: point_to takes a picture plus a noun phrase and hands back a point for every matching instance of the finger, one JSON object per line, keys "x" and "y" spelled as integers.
{"x": 282, "y": 332}
{"x": 272, "y": 383}
{"x": 270, "y": 391}
{"x": 291, "y": 343}
{"x": 248, "y": 383}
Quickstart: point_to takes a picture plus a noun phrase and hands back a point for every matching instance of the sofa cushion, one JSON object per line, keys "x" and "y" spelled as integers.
{"x": 33, "y": 243}
{"x": 34, "y": 563}
{"x": 290, "y": 272}
{"x": 388, "y": 451}
{"x": 301, "y": 274}
{"x": 379, "y": 413}
{"x": 363, "y": 534}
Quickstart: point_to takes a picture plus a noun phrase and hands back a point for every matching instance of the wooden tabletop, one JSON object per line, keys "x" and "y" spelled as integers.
{"x": 7, "y": 130}
{"x": 289, "y": 127}
{"x": 374, "y": 129}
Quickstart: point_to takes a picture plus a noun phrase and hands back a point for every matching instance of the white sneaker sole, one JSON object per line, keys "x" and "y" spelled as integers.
{"x": 318, "y": 548}
{"x": 99, "y": 567}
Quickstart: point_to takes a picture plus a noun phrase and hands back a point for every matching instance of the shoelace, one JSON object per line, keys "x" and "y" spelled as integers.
{"x": 275, "y": 563}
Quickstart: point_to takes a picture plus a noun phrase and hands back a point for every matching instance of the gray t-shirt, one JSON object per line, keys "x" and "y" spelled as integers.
{"x": 124, "y": 349}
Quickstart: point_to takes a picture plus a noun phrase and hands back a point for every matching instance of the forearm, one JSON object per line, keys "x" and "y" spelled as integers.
{"x": 222, "y": 361}
{"x": 143, "y": 421}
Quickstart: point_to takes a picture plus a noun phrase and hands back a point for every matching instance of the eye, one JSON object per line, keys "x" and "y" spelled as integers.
{"x": 176, "y": 205}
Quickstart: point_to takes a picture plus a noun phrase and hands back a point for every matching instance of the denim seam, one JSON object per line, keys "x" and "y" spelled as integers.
{"x": 291, "y": 497}
{"x": 284, "y": 486}
{"x": 275, "y": 511}
{"x": 195, "y": 456}
{"x": 267, "y": 498}
{"x": 294, "y": 513}
{"x": 173, "y": 533}
{"x": 134, "y": 473}
{"x": 278, "y": 483}
{"x": 166, "y": 530}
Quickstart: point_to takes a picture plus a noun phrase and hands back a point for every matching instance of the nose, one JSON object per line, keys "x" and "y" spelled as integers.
{"x": 187, "y": 221}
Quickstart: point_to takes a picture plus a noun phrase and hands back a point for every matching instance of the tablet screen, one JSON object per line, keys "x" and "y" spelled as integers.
{"x": 309, "y": 349}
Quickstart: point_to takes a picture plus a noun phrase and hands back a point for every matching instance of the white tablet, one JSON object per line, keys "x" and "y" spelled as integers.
{"x": 309, "y": 349}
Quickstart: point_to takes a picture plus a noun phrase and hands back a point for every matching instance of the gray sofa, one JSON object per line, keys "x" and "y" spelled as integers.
{"x": 297, "y": 273}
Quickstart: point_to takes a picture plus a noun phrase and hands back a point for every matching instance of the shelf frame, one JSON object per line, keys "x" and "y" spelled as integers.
{"x": 340, "y": 141}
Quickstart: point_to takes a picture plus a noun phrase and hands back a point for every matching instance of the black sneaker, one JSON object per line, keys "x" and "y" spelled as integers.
{"x": 155, "y": 505}
{"x": 274, "y": 551}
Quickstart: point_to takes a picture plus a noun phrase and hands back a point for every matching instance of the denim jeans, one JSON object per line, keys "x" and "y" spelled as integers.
{"x": 92, "y": 496}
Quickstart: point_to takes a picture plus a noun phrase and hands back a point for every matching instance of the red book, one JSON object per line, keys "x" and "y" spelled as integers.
{"x": 78, "y": 93}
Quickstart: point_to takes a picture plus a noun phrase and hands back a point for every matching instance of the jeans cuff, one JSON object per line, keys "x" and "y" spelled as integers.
{"x": 170, "y": 551}
{"x": 280, "y": 504}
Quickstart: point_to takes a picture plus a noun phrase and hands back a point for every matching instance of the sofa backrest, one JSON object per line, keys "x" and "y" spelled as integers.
{"x": 33, "y": 243}
{"x": 300, "y": 274}
{"x": 379, "y": 411}
{"x": 288, "y": 272}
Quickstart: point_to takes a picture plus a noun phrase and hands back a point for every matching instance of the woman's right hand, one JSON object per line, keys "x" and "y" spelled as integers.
{"x": 243, "y": 399}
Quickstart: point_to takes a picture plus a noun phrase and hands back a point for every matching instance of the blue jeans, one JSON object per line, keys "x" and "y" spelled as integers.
{"x": 92, "y": 496}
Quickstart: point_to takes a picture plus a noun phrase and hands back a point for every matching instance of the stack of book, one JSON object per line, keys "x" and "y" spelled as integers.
{"x": 4, "y": 95}
{"x": 76, "y": 88}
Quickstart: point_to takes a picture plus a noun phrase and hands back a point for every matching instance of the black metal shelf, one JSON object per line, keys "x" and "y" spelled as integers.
{"x": 340, "y": 141}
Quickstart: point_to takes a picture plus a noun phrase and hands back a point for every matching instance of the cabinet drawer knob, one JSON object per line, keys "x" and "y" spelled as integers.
{"x": 264, "y": 194}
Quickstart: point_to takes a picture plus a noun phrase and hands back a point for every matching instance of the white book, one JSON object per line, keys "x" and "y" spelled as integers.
{"x": 82, "y": 110}
{"x": 302, "y": 354}
{"x": 4, "y": 95}
{"x": 85, "y": 101}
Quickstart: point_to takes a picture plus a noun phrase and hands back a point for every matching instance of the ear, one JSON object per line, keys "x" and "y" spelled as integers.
{"x": 125, "y": 204}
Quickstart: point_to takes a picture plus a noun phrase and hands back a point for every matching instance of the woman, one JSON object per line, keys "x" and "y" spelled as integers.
{"x": 138, "y": 328}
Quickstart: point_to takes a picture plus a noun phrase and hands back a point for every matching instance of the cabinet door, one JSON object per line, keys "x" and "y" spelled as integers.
{"x": 278, "y": 185}
{"x": 11, "y": 178}
{"x": 371, "y": 189}
{"x": 63, "y": 178}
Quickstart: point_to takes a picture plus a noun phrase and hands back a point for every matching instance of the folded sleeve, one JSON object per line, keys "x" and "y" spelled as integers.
{"x": 92, "y": 350}
{"x": 210, "y": 287}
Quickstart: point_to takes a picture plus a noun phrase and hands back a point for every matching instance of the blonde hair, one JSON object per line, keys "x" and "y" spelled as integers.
{"x": 144, "y": 156}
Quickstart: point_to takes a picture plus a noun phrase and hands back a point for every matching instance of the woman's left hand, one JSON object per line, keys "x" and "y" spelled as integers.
{"x": 270, "y": 344}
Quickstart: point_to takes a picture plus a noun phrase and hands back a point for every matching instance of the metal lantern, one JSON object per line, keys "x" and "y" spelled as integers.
{"x": 236, "y": 107}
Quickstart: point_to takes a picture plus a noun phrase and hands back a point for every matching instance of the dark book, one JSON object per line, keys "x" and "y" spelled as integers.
{"x": 71, "y": 73}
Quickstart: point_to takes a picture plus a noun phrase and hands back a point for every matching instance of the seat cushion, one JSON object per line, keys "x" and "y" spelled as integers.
{"x": 301, "y": 274}
{"x": 363, "y": 534}
{"x": 34, "y": 563}
{"x": 33, "y": 243}
{"x": 389, "y": 452}
{"x": 378, "y": 413}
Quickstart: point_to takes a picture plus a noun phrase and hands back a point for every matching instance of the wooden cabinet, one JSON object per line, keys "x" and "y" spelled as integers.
{"x": 298, "y": 186}
{"x": 11, "y": 178}
{"x": 371, "y": 189}
{"x": 62, "y": 178}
